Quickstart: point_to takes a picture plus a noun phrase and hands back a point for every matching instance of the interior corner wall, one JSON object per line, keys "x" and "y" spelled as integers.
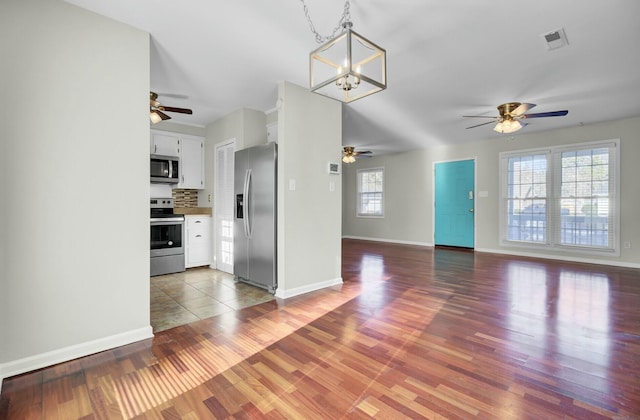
{"x": 255, "y": 127}
{"x": 407, "y": 199}
{"x": 75, "y": 188}
{"x": 223, "y": 129}
{"x": 246, "y": 126}
{"x": 309, "y": 198}
{"x": 409, "y": 189}
{"x": 192, "y": 130}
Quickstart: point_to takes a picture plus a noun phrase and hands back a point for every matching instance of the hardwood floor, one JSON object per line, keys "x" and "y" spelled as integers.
{"x": 413, "y": 332}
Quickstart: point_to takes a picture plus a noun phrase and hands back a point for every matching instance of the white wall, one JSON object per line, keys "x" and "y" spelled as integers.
{"x": 168, "y": 125}
{"x": 255, "y": 128}
{"x": 407, "y": 199}
{"x": 409, "y": 183}
{"x": 309, "y": 136}
{"x": 75, "y": 189}
{"x": 309, "y": 231}
{"x": 246, "y": 126}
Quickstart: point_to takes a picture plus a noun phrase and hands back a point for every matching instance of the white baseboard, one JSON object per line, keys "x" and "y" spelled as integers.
{"x": 392, "y": 241}
{"x": 50, "y": 358}
{"x": 284, "y": 294}
{"x": 590, "y": 260}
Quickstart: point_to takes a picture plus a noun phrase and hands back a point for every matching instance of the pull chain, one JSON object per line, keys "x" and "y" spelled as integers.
{"x": 346, "y": 17}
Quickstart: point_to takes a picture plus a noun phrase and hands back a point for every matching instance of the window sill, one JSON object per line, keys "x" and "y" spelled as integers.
{"x": 565, "y": 249}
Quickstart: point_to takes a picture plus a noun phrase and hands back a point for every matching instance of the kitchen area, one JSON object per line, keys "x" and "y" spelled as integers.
{"x": 185, "y": 286}
{"x": 210, "y": 185}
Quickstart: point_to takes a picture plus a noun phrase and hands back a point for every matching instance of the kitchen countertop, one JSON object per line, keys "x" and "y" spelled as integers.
{"x": 199, "y": 211}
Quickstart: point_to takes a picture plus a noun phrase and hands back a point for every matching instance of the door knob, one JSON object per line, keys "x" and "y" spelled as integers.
{"x": 471, "y": 210}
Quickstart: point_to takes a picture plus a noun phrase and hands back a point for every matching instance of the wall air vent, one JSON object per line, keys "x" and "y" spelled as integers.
{"x": 556, "y": 39}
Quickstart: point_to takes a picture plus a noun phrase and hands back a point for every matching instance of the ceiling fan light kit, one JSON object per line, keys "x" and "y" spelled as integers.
{"x": 348, "y": 159}
{"x": 348, "y": 66}
{"x": 511, "y": 116}
{"x": 349, "y": 154}
{"x": 155, "y": 109}
{"x": 154, "y": 117}
{"x": 508, "y": 126}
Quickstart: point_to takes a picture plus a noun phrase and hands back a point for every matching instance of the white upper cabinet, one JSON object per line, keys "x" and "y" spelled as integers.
{"x": 190, "y": 150}
{"x": 165, "y": 144}
{"x": 192, "y": 162}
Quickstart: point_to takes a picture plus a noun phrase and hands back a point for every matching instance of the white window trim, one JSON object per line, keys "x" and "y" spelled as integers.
{"x": 553, "y": 182}
{"x": 370, "y": 216}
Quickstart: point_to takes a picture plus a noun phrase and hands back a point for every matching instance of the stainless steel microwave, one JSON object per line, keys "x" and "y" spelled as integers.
{"x": 165, "y": 169}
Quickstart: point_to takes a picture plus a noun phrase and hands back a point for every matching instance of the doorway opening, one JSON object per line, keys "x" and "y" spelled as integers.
{"x": 224, "y": 205}
{"x": 202, "y": 292}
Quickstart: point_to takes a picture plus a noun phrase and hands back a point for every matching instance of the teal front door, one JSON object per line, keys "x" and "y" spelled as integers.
{"x": 454, "y": 198}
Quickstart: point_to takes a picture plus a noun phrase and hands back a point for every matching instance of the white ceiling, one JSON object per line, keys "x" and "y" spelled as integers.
{"x": 445, "y": 59}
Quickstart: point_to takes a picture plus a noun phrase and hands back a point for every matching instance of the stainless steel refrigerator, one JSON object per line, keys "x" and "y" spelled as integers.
{"x": 254, "y": 227}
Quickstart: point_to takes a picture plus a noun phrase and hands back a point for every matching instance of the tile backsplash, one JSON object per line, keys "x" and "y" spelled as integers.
{"x": 184, "y": 197}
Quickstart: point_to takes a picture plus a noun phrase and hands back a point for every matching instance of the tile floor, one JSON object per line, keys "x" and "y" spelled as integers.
{"x": 198, "y": 293}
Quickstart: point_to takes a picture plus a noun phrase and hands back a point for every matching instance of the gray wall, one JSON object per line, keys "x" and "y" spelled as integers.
{"x": 409, "y": 189}
{"x": 309, "y": 136}
{"x": 309, "y": 231}
{"x": 193, "y": 130}
{"x": 407, "y": 195}
{"x": 246, "y": 126}
{"x": 74, "y": 273}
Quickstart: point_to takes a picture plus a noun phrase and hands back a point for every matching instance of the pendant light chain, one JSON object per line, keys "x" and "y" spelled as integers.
{"x": 346, "y": 17}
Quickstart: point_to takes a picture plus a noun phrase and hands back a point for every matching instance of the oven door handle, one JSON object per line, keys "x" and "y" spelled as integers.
{"x": 247, "y": 203}
{"x": 167, "y": 220}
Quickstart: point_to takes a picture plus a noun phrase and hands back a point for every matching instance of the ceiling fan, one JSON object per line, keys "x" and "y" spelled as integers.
{"x": 155, "y": 109}
{"x": 349, "y": 154}
{"x": 511, "y": 116}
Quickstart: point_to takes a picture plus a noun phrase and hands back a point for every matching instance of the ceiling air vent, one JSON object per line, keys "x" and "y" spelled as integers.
{"x": 556, "y": 39}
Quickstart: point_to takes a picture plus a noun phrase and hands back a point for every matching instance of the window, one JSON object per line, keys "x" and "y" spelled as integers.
{"x": 370, "y": 192}
{"x": 562, "y": 197}
{"x": 584, "y": 197}
{"x": 527, "y": 198}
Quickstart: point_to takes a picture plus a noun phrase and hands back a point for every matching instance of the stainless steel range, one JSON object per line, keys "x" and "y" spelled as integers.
{"x": 167, "y": 238}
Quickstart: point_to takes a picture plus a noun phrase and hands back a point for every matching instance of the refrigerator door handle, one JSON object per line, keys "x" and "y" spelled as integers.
{"x": 247, "y": 203}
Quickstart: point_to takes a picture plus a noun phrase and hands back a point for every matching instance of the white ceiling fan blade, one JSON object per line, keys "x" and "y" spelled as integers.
{"x": 521, "y": 109}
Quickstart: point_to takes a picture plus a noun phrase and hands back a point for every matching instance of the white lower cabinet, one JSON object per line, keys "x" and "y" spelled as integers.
{"x": 198, "y": 247}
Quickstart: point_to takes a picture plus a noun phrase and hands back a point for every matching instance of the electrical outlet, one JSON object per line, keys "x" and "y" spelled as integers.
{"x": 627, "y": 244}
